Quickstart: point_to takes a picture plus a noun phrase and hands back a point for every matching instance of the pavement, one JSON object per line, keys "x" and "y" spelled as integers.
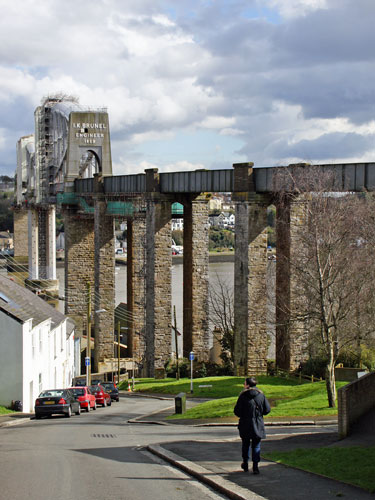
{"x": 216, "y": 462}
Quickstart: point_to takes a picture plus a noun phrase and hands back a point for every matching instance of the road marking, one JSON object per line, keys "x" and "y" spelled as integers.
{"x": 103, "y": 436}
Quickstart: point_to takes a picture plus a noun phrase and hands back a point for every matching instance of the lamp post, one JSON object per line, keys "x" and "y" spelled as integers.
{"x": 133, "y": 360}
{"x": 119, "y": 328}
{"x": 88, "y": 343}
{"x": 118, "y": 351}
{"x": 88, "y": 337}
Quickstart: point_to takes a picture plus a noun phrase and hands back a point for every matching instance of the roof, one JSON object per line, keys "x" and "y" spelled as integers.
{"x": 24, "y": 305}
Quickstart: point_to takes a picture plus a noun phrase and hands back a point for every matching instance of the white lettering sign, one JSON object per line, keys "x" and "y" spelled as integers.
{"x": 89, "y": 126}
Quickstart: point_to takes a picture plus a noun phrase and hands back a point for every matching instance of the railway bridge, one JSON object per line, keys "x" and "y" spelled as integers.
{"x": 67, "y": 163}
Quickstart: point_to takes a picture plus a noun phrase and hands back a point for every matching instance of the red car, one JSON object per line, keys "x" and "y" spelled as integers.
{"x": 85, "y": 397}
{"x": 102, "y": 397}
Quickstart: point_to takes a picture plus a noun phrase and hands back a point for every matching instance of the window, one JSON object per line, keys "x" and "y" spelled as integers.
{"x": 54, "y": 344}
{"x": 40, "y": 382}
{"x": 62, "y": 338}
{"x": 40, "y": 341}
{"x": 33, "y": 345}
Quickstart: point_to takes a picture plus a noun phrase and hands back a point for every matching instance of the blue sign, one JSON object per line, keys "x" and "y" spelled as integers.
{"x": 191, "y": 356}
{"x": 87, "y": 361}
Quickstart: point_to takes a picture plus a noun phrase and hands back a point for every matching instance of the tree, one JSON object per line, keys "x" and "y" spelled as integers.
{"x": 222, "y": 317}
{"x": 333, "y": 266}
{"x": 6, "y": 215}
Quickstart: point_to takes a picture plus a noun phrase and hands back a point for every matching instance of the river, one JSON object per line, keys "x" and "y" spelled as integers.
{"x": 223, "y": 271}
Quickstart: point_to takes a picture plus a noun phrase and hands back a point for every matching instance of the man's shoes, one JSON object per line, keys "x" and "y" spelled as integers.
{"x": 245, "y": 466}
{"x": 255, "y": 468}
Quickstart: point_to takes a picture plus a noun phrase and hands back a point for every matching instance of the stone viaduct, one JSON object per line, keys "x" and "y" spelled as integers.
{"x": 68, "y": 163}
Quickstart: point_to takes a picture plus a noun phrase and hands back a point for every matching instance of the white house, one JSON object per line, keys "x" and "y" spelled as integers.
{"x": 229, "y": 219}
{"x": 36, "y": 346}
{"x": 177, "y": 224}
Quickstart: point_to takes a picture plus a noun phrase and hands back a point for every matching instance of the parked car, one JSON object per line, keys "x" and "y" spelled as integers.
{"x": 102, "y": 397}
{"x": 56, "y": 401}
{"x": 86, "y": 398}
{"x": 112, "y": 390}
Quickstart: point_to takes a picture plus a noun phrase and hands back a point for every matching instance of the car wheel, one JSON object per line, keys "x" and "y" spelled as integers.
{"x": 110, "y": 402}
{"x": 69, "y": 414}
{"x": 118, "y": 399}
{"x": 94, "y": 407}
{"x": 104, "y": 403}
{"x": 37, "y": 416}
{"x": 88, "y": 407}
{"x": 78, "y": 412}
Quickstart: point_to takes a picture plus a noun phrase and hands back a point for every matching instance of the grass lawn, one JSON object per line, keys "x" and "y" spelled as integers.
{"x": 288, "y": 398}
{"x": 4, "y": 411}
{"x": 353, "y": 465}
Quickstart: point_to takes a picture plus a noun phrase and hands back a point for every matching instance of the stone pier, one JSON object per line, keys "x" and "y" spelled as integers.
{"x": 136, "y": 292}
{"x": 195, "y": 273}
{"x": 158, "y": 284}
{"x": 104, "y": 272}
{"x": 291, "y": 337}
{"x": 79, "y": 266}
{"x": 250, "y": 275}
{"x": 20, "y": 233}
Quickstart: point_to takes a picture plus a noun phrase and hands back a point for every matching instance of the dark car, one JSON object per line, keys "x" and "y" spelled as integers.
{"x": 56, "y": 401}
{"x": 102, "y": 397}
{"x": 112, "y": 390}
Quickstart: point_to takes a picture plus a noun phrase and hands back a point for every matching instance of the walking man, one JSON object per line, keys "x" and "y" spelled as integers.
{"x": 251, "y": 405}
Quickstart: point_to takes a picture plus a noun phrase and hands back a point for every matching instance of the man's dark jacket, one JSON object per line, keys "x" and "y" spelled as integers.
{"x": 250, "y": 408}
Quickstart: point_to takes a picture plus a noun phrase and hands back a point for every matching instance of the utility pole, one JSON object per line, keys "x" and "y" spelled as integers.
{"x": 133, "y": 349}
{"x": 118, "y": 351}
{"x": 88, "y": 341}
{"x": 176, "y": 341}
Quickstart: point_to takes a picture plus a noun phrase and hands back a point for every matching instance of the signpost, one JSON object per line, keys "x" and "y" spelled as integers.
{"x": 191, "y": 357}
{"x": 87, "y": 364}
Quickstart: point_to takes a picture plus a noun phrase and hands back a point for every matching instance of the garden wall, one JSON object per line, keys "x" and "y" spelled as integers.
{"x": 354, "y": 401}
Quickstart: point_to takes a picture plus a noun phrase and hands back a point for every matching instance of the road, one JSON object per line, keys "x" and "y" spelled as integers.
{"x": 99, "y": 455}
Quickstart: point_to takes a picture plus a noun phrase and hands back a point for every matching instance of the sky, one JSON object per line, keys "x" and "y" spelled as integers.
{"x": 192, "y": 84}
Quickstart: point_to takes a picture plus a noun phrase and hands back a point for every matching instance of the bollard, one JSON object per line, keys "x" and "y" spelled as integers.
{"x": 180, "y": 403}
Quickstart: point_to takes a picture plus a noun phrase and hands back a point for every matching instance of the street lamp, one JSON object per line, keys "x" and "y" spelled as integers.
{"x": 119, "y": 328}
{"x": 88, "y": 337}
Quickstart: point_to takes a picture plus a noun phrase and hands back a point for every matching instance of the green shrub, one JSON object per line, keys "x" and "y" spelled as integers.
{"x": 171, "y": 368}
{"x": 315, "y": 366}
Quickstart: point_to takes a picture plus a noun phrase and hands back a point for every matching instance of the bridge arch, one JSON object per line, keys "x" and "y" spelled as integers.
{"x": 89, "y": 164}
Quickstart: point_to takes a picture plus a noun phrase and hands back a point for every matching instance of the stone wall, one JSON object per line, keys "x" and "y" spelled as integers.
{"x": 354, "y": 401}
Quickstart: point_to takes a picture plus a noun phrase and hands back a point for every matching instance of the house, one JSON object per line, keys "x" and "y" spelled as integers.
{"x": 37, "y": 345}
{"x": 177, "y": 224}
{"x": 214, "y": 204}
{"x": 6, "y": 240}
{"x": 216, "y": 220}
{"x": 228, "y": 219}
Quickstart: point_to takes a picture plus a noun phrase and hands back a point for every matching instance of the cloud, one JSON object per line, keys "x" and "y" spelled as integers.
{"x": 297, "y": 8}
{"x": 286, "y": 78}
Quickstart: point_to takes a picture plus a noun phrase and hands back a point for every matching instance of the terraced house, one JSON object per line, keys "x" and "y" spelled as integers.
{"x": 37, "y": 345}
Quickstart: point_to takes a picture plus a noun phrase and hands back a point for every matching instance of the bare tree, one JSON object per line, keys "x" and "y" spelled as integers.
{"x": 222, "y": 317}
{"x": 333, "y": 268}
